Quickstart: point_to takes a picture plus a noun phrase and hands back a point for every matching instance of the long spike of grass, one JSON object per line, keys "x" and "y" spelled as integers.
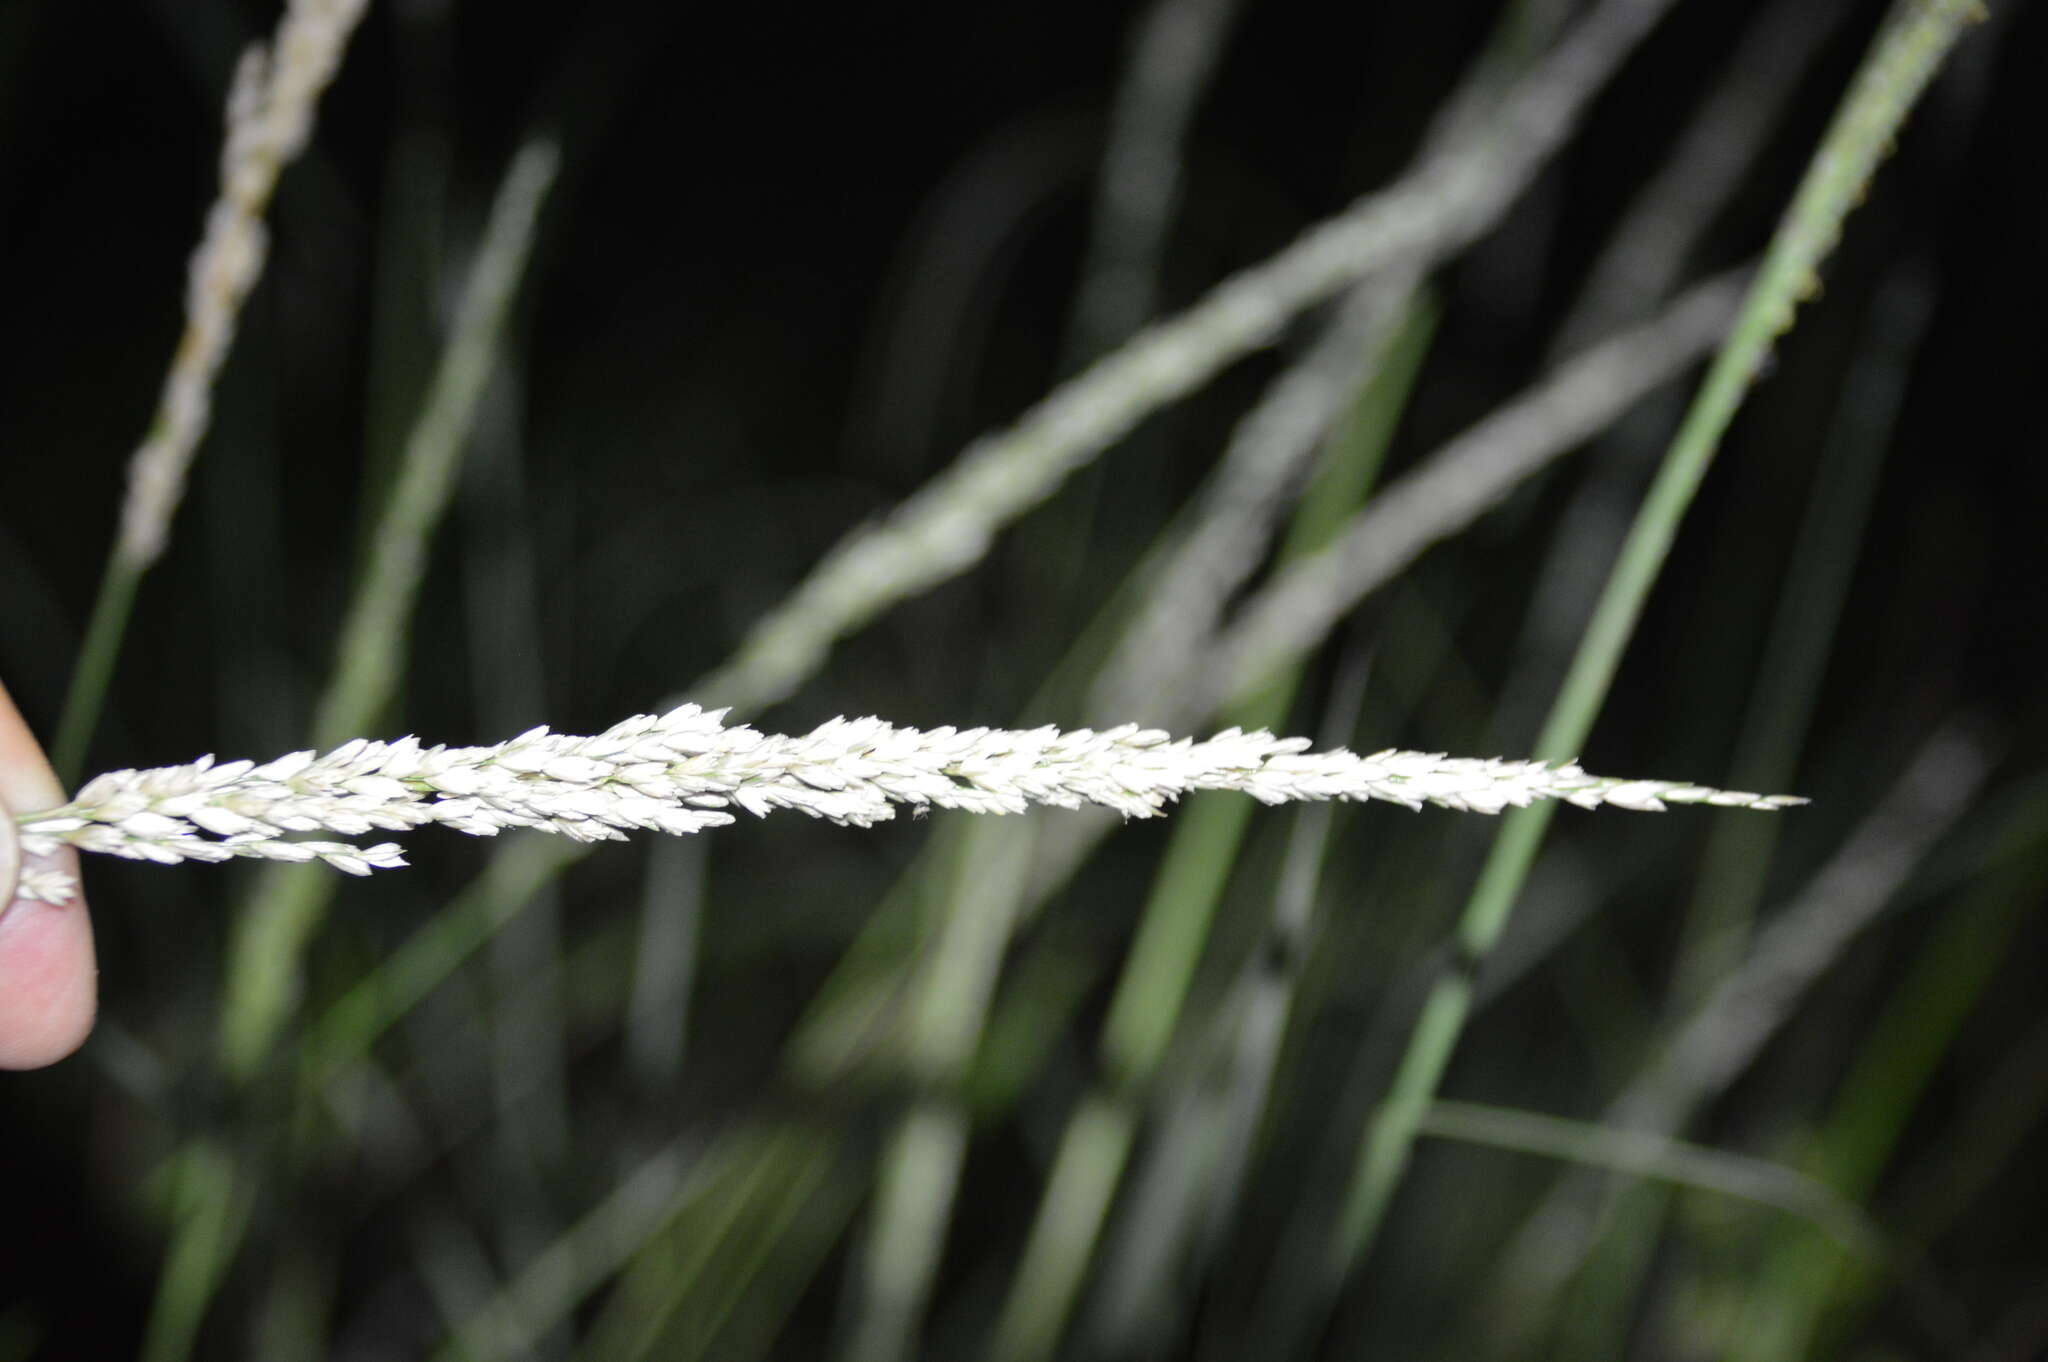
{"x": 269, "y": 121}
{"x": 1903, "y": 59}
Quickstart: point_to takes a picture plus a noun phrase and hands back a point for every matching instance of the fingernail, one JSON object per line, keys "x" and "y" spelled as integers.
{"x": 28, "y": 784}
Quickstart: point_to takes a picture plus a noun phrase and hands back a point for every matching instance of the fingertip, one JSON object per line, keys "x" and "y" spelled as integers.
{"x": 49, "y": 978}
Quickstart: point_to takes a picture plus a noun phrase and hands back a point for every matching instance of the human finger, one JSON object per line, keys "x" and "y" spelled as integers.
{"x": 49, "y": 980}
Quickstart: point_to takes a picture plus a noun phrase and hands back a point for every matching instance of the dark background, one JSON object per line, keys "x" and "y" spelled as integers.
{"x": 800, "y": 254}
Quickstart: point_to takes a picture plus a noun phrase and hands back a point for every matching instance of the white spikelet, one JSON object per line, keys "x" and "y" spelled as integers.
{"x": 684, "y": 771}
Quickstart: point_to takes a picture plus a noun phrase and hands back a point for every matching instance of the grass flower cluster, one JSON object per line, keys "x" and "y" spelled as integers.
{"x": 270, "y": 118}
{"x": 682, "y": 771}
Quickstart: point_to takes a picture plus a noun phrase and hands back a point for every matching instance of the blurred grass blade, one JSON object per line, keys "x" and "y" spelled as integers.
{"x": 1798, "y": 1280}
{"x": 210, "y": 1209}
{"x": 344, "y": 1032}
{"x": 1646, "y": 1155}
{"x": 1904, "y": 58}
{"x": 1646, "y": 254}
{"x": 1468, "y": 476}
{"x": 976, "y": 899}
{"x": 1202, "y": 849}
{"x": 682, "y": 1287}
{"x": 1802, "y": 631}
{"x": 1456, "y": 191}
{"x": 271, "y": 931}
{"x": 1729, "y": 1028}
{"x": 1194, "y": 1178}
{"x": 1272, "y": 453}
{"x": 1728, "y": 893}
{"x": 546, "y": 1289}
{"x": 1175, "y": 46}
{"x": 665, "y": 962}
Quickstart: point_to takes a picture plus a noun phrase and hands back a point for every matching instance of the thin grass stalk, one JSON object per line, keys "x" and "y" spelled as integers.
{"x": 271, "y": 932}
{"x": 1729, "y": 891}
{"x": 451, "y": 1262}
{"x": 915, "y": 1198}
{"x": 859, "y": 1009}
{"x": 1643, "y": 260}
{"x": 665, "y": 961}
{"x": 1145, "y": 1010}
{"x": 1804, "y": 625}
{"x": 805, "y": 1213}
{"x": 1903, "y": 59}
{"x": 1452, "y": 195}
{"x": 341, "y": 1036}
{"x": 874, "y": 1001}
{"x": 294, "y": 1321}
{"x": 1148, "y": 1250}
{"x": 269, "y": 121}
{"x": 1662, "y": 225}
